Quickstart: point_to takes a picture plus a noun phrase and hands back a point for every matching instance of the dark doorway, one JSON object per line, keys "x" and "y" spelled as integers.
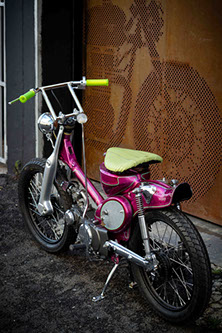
{"x": 62, "y": 24}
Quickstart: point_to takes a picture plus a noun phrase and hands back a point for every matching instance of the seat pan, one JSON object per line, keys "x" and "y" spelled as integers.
{"x": 121, "y": 159}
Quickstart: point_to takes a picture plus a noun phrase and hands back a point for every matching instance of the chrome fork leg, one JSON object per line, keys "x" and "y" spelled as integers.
{"x": 101, "y": 296}
{"x": 45, "y": 205}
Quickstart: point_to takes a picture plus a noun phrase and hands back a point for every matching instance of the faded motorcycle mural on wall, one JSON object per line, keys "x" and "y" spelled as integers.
{"x": 157, "y": 102}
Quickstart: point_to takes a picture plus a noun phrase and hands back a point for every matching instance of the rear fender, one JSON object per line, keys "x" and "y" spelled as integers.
{"x": 166, "y": 195}
{"x": 157, "y": 194}
{"x": 182, "y": 192}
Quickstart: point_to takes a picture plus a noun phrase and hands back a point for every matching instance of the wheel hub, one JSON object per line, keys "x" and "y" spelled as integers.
{"x": 164, "y": 268}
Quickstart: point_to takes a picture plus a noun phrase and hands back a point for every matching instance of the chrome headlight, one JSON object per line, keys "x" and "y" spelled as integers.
{"x": 46, "y": 123}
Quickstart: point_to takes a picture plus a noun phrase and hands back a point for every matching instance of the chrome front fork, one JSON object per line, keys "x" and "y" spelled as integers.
{"x": 45, "y": 205}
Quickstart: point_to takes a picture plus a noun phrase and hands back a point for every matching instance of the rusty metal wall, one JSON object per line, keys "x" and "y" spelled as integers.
{"x": 163, "y": 60}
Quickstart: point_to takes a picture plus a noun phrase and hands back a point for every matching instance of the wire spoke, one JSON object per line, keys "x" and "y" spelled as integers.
{"x": 35, "y": 187}
{"x": 179, "y": 262}
{"x": 183, "y": 283}
{"x": 35, "y": 211}
{"x": 176, "y": 291}
{"x": 33, "y": 198}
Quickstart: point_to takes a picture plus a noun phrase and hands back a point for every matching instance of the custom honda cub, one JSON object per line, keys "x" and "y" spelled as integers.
{"x": 139, "y": 219}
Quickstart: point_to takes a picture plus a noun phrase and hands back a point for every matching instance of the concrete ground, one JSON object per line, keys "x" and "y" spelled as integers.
{"x": 212, "y": 236}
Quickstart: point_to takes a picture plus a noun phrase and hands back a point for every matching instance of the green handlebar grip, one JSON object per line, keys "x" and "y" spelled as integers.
{"x": 97, "y": 82}
{"x": 24, "y": 98}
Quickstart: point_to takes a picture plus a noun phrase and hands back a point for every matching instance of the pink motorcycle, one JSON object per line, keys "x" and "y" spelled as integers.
{"x": 139, "y": 219}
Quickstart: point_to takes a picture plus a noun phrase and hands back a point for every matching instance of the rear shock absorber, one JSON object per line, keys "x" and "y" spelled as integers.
{"x": 142, "y": 223}
{"x": 143, "y": 228}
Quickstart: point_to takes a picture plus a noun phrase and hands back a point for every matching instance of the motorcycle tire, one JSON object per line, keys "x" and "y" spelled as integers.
{"x": 51, "y": 232}
{"x": 180, "y": 288}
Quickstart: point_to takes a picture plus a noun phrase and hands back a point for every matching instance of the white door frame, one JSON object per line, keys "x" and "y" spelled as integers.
{"x": 38, "y": 74}
{"x": 3, "y": 136}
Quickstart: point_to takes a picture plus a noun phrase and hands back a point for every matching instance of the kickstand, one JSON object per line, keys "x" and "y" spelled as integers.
{"x": 101, "y": 296}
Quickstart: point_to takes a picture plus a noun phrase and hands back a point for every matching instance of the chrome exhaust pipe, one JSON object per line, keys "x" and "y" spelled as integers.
{"x": 130, "y": 255}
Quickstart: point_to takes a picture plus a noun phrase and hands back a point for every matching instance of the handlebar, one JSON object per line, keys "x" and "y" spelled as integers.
{"x": 24, "y": 98}
{"x": 79, "y": 84}
{"x": 97, "y": 82}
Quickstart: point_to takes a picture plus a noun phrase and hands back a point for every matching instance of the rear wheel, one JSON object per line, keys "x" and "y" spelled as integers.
{"x": 51, "y": 231}
{"x": 180, "y": 288}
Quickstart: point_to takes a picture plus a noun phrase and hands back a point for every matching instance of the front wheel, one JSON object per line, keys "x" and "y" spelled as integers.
{"x": 51, "y": 231}
{"x": 180, "y": 288}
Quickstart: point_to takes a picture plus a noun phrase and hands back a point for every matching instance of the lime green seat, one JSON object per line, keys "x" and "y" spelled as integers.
{"x": 121, "y": 159}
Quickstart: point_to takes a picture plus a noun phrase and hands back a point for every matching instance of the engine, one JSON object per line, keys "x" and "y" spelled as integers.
{"x": 94, "y": 236}
{"x": 90, "y": 233}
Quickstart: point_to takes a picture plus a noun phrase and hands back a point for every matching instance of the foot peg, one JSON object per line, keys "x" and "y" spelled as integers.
{"x": 74, "y": 247}
{"x": 101, "y": 296}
